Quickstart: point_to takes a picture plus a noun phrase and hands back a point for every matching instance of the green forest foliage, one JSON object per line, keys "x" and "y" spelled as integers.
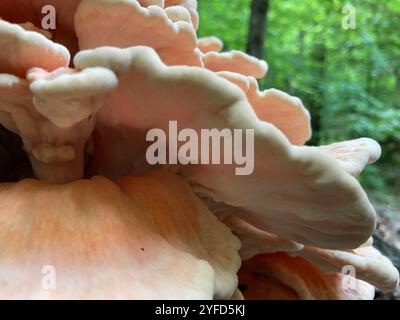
{"x": 348, "y": 79}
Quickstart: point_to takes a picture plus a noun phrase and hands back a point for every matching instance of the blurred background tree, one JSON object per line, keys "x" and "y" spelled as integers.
{"x": 348, "y": 78}
{"x": 257, "y": 27}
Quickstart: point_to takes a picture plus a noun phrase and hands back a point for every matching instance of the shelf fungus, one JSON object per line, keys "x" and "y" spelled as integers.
{"x": 83, "y": 96}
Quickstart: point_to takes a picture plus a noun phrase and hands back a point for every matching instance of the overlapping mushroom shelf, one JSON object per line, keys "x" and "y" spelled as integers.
{"x": 115, "y": 227}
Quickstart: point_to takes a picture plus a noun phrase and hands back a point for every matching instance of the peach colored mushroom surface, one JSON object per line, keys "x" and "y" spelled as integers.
{"x": 84, "y": 96}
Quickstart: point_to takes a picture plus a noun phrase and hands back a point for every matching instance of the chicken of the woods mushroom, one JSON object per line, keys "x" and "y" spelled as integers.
{"x": 82, "y": 97}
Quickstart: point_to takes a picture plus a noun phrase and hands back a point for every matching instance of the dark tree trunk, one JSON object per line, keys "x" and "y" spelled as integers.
{"x": 316, "y": 100}
{"x": 257, "y": 28}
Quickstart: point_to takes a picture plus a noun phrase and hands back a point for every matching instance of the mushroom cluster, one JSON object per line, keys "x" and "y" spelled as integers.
{"x": 114, "y": 227}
